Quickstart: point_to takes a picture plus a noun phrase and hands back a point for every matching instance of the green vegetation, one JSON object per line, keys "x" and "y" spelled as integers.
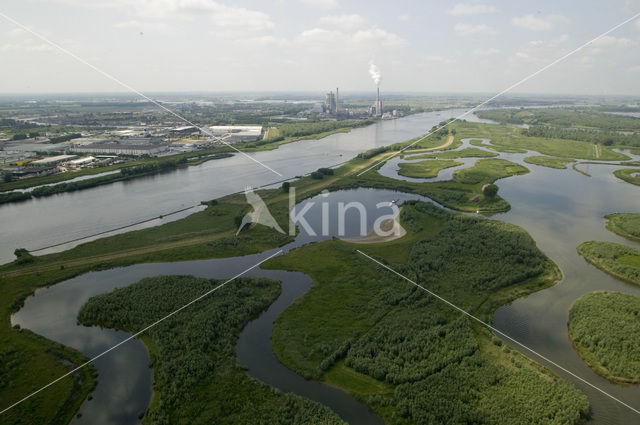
{"x": 513, "y": 139}
{"x": 427, "y": 168}
{"x": 605, "y": 330}
{"x": 463, "y": 153}
{"x": 291, "y": 132}
{"x": 497, "y": 148}
{"x": 563, "y": 118}
{"x": 407, "y": 354}
{"x": 196, "y": 377}
{"x": 488, "y": 171}
{"x": 617, "y": 260}
{"x": 548, "y": 161}
{"x": 630, "y": 175}
{"x": 625, "y": 224}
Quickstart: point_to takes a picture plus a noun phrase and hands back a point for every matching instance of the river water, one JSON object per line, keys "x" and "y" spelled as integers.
{"x": 68, "y": 216}
{"x": 559, "y": 208}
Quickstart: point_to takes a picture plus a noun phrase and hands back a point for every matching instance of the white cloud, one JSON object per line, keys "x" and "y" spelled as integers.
{"x": 322, "y": 4}
{"x": 486, "y": 52}
{"x": 534, "y": 23}
{"x": 638, "y": 24}
{"x": 611, "y": 41}
{"x": 467, "y": 30}
{"x": 142, "y": 26}
{"x": 26, "y": 46}
{"x": 438, "y": 59}
{"x": 462, "y": 9}
{"x": 404, "y": 17}
{"x": 343, "y": 21}
{"x": 360, "y": 39}
{"x": 223, "y": 16}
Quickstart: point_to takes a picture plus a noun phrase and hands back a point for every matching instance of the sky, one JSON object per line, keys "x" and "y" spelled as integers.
{"x": 317, "y": 45}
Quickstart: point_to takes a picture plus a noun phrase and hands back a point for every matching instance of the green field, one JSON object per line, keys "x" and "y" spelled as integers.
{"x": 617, "y": 260}
{"x": 605, "y": 330}
{"x": 548, "y": 161}
{"x": 625, "y": 224}
{"x": 512, "y": 139}
{"x": 196, "y": 377}
{"x": 488, "y": 171}
{"x": 428, "y": 168}
{"x": 463, "y": 153}
{"x": 630, "y": 175}
{"x": 408, "y": 355}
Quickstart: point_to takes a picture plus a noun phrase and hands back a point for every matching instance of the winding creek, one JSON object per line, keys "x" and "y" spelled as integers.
{"x": 559, "y": 208}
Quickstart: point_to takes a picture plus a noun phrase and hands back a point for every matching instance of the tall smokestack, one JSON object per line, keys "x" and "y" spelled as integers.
{"x": 378, "y": 104}
{"x": 337, "y": 101}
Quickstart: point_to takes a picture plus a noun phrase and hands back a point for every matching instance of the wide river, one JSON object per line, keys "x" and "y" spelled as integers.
{"x": 64, "y": 217}
{"x": 559, "y": 208}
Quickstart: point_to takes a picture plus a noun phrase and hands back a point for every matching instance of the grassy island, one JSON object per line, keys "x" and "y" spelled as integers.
{"x": 462, "y": 153}
{"x": 427, "y": 168}
{"x": 605, "y": 330}
{"x": 630, "y": 175}
{"x": 549, "y": 161}
{"x": 618, "y": 260}
{"x": 625, "y": 224}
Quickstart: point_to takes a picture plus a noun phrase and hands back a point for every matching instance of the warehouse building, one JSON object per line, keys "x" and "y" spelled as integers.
{"x": 116, "y": 149}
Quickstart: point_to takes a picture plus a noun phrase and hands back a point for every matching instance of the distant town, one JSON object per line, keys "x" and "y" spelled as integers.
{"x": 41, "y": 137}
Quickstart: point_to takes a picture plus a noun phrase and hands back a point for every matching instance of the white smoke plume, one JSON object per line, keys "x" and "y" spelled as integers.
{"x": 374, "y": 71}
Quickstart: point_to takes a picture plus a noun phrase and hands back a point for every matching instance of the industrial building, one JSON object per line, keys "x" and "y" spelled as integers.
{"x": 330, "y": 103}
{"x": 135, "y": 150}
{"x": 184, "y": 130}
{"x": 236, "y": 133}
{"x": 81, "y": 161}
{"x": 53, "y": 160}
{"x": 376, "y": 109}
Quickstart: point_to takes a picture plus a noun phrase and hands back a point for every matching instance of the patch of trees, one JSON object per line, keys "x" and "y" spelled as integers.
{"x": 563, "y": 117}
{"x": 153, "y": 167}
{"x": 321, "y": 172}
{"x": 195, "y": 371}
{"x": 604, "y": 327}
{"x": 373, "y": 152}
{"x": 65, "y": 138}
{"x": 606, "y": 138}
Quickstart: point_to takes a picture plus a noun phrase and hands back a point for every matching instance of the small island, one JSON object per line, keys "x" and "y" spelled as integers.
{"x": 605, "y": 330}
{"x": 625, "y": 224}
{"x": 618, "y": 260}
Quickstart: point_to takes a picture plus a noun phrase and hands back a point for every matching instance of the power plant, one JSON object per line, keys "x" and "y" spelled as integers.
{"x": 376, "y": 108}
